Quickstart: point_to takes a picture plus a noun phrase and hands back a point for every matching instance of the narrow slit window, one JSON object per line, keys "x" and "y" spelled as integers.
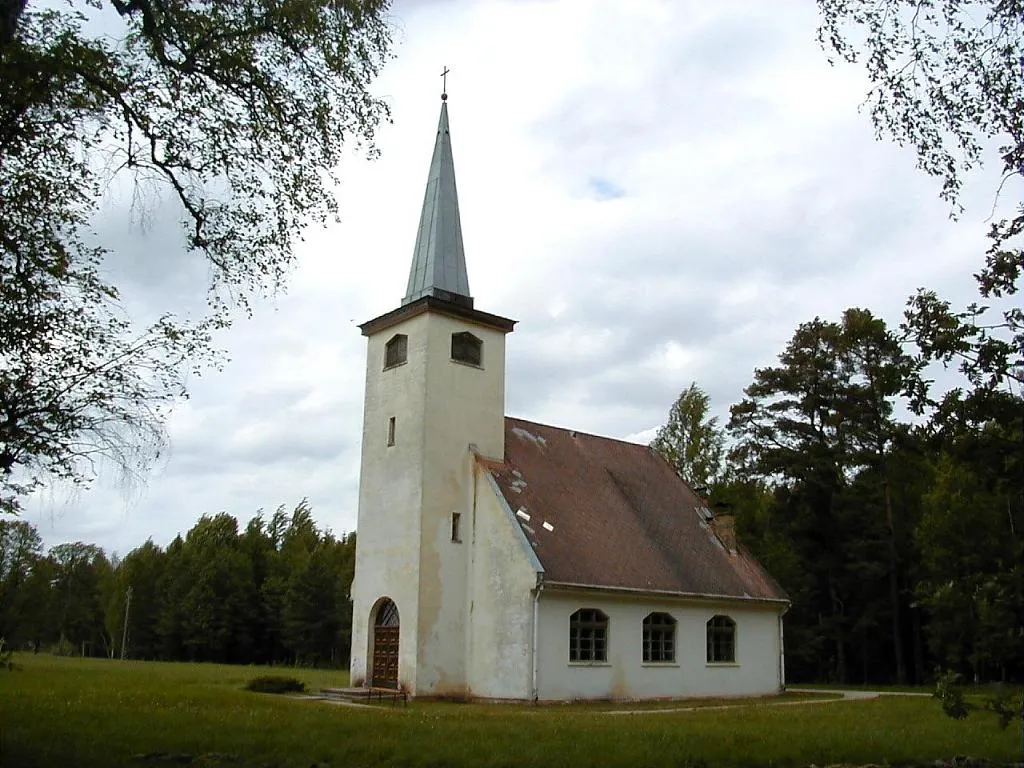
{"x": 391, "y": 431}
{"x": 456, "y": 523}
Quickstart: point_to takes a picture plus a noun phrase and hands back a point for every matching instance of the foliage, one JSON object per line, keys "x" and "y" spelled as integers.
{"x": 20, "y": 548}
{"x": 691, "y": 441}
{"x": 819, "y": 427}
{"x": 947, "y": 78}
{"x": 951, "y": 695}
{"x": 900, "y": 544}
{"x": 972, "y": 570}
{"x": 238, "y": 112}
{"x": 204, "y": 598}
{"x": 62, "y": 712}
{"x": 81, "y": 575}
{"x": 1006, "y": 703}
{"x": 275, "y": 684}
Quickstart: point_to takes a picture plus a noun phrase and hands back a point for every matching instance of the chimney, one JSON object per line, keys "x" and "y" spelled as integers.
{"x": 724, "y": 527}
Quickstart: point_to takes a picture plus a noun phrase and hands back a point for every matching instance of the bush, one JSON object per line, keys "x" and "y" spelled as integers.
{"x": 275, "y": 684}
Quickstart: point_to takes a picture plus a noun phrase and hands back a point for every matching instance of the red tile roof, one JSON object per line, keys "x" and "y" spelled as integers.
{"x": 608, "y": 513}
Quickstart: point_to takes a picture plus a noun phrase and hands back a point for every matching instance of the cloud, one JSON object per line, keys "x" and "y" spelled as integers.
{"x": 659, "y": 192}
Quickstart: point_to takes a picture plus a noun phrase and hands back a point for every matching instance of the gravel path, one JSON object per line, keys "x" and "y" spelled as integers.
{"x": 845, "y": 695}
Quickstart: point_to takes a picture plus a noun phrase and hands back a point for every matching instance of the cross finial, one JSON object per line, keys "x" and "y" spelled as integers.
{"x": 444, "y": 84}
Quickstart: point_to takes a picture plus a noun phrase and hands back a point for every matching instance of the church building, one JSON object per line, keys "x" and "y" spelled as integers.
{"x": 497, "y": 558}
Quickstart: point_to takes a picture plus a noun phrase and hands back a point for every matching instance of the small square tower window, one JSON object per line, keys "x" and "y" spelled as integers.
{"x": 391, "y": 431}
{"x": 467, "y": 348}
{"x": 396, "y": 350}
{"x": 456, "y": 521}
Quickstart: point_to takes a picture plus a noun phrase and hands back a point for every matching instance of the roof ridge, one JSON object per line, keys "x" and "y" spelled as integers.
{"x": 578, "y": 432}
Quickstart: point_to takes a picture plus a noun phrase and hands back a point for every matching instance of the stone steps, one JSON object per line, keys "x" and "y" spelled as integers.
{"x": 366, "y": 694}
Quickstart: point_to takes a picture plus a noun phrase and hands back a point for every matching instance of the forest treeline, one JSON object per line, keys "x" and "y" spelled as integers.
{"x": 275, "y": 592}
{"x": 890, "y": 507}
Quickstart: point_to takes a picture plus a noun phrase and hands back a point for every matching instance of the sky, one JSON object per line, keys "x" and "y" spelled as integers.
{"x": 658, "y": 191}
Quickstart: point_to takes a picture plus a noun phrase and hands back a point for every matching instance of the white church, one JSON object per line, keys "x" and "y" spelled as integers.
{"x": 502, "y": 559}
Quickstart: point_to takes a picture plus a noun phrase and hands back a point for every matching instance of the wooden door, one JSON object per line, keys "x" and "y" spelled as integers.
{"x": 385, "y": 657}
{"x": 385, "y": 646}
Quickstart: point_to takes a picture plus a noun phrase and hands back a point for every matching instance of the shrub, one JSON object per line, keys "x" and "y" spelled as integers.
{"x": 275, "y": 684}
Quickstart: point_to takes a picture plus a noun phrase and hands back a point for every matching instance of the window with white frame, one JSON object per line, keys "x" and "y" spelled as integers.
{"x": 588, "y": 635}
{"x": 721, "y": 640}
{"x": 659, "y": 638}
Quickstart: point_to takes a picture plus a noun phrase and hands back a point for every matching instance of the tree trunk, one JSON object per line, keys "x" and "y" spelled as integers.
{"x": 10, "y": 15}
{"x": 894, "y": 592}
{"x": 837, "y": 628}
{"x": 915, "y": 620}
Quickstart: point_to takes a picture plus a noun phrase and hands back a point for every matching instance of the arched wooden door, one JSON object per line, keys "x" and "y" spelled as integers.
{"x": 385, "y": 646}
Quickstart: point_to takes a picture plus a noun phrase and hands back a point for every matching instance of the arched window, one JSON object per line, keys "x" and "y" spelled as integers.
{"x": 467, "y": 348}
{"x": 387, "y": 614}
{"x": 396, "y": 350}
{"x": 588, "y": 635}
{"x": 659, "y": 637}
{"x": 721, "y": 640}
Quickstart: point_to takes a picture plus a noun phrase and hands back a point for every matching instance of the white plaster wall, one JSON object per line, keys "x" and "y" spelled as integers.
{"x": 500, "y": 629}
{"x": 390, "y": 497}
{"x": 464, "y": 404}
{"x": 625, "y": 676}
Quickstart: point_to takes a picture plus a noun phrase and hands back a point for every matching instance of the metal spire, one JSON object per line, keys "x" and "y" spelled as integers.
{"x": 439, "y": 260}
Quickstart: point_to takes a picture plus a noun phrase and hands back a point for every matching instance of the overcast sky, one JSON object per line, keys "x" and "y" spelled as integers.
{"x": 659, "y": 192}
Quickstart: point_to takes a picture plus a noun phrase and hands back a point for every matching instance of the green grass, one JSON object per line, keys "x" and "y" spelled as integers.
{"x": 93, "y": 713}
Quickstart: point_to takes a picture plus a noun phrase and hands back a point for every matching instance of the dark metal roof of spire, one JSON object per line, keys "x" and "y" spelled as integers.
{"x": 439, "y": 260}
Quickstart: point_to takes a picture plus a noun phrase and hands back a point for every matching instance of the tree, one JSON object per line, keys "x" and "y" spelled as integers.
{"x": 217, "y": 603}
{"x": 173, "y": 585}
{"x": 257, "y": 545}
{"x": 38, "y": 625}
{"x": 947, "y": 78}
{"x": 690, "y": 441}
{"x": 20, "y": 548}
{"x": 80, "y": 571}
{"x": 311, "y": 613}
{"x": 238, "y": 111}
{"x": 819, "y": 427}
{"x": 972, "y": 553}
{"x": 141, "y": 571}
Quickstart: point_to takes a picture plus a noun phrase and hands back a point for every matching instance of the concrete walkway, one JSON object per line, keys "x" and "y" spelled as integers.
{"x": 843, "y": 695}
{"x": 858, "y": 694}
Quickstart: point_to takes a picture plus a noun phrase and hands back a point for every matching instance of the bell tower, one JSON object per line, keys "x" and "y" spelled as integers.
{"x": 435, "y": 386}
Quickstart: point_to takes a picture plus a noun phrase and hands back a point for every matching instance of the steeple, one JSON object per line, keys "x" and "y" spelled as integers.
{"x": 439, "y": 261}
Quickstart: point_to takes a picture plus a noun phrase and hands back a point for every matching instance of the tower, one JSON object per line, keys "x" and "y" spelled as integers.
{"x": 435, "y": 392}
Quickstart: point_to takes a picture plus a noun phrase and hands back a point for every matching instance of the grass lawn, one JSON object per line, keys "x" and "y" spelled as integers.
{"x": 92, "y": 713}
